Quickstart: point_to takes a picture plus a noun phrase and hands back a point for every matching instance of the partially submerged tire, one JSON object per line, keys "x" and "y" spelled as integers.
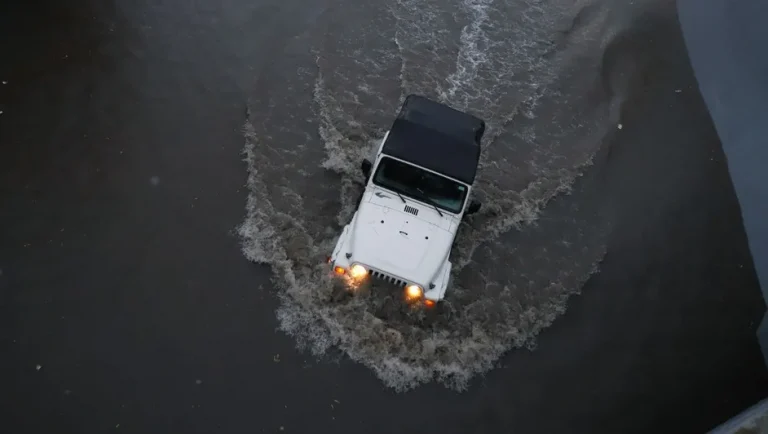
{"x": 386, "y": 308}
{"x": 444, "y": 310}
{"x": 339, "y": 292}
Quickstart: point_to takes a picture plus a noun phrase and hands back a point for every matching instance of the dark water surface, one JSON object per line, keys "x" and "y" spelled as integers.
{"x": 126, "y": 301}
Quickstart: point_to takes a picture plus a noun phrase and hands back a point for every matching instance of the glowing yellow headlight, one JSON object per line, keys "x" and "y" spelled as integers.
{"x": 414, "y": 292}
{"x": 357, "y": 271}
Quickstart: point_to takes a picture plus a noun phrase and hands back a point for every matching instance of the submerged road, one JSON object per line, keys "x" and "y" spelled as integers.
{"x": 127, "y": 305}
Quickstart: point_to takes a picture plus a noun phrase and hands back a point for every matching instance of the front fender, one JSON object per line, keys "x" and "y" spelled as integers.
{"x": 341, "y": 245}
{"x": 440, "y": 271}
{"x": 441, "y": 283}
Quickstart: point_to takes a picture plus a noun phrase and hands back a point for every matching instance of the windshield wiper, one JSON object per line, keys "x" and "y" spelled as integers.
{"x": 400, "y": 196}
{"x": 429, "y": 201}
{"x": 435, "y": 206}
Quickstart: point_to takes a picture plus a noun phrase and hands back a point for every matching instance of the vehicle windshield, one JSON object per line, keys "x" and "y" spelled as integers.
{"x": 420, "y": 184}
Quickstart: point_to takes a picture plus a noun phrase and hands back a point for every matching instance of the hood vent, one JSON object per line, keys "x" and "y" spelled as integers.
{"x": 411, "y": 210}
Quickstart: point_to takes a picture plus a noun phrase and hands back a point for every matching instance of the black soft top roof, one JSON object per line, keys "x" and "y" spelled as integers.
{"x": 438, "y": 137}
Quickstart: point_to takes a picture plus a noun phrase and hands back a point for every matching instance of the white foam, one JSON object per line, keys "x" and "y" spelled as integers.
{"x": 472, "y": 51}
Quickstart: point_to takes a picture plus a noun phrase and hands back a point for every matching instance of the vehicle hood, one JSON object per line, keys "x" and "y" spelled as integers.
{"x": 399, "y": 243}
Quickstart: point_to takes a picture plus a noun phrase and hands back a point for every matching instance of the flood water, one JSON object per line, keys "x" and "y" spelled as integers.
{"x": 173, "y": 175}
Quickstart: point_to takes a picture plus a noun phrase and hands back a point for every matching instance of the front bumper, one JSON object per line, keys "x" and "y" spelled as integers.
{"x": 341, "y": 267}
{"x": 354, "y": 279}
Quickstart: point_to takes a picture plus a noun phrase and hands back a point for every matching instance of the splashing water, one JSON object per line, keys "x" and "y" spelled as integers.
{"x": 517, "y": 261}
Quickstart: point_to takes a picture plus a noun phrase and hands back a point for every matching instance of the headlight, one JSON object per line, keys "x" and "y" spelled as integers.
{"x": 358, "y": 271}
{"x": 414, "y": 292}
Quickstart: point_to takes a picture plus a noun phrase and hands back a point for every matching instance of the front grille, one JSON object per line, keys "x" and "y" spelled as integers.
{"x": 386, "y": 277}
{"x": 411, "y": 210}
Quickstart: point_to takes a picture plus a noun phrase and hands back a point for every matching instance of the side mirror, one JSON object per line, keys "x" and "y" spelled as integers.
{"x": 473, "y": 207}
{"x": 366, "y": 168}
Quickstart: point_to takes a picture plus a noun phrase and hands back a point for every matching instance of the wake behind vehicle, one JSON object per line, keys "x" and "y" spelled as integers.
{"x": 417, "y": 192}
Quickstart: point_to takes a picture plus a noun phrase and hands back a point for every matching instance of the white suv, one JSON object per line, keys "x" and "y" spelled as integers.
{"x": 417, "y": 191}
